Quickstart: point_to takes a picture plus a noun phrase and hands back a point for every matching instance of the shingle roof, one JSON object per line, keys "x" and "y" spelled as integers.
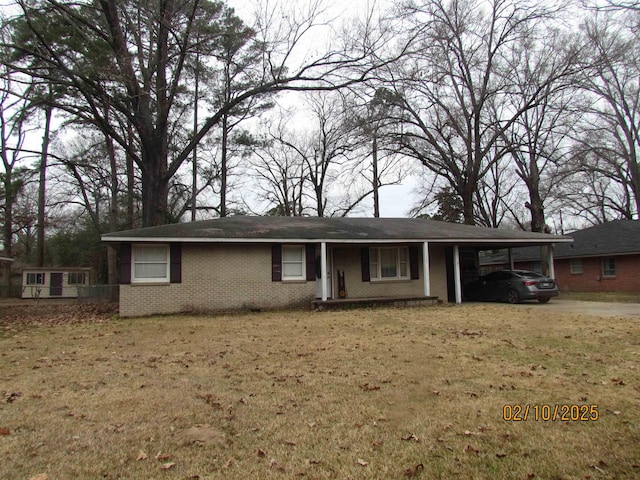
{"x": 618, "y": 237}
{"x": 264, "y": 229}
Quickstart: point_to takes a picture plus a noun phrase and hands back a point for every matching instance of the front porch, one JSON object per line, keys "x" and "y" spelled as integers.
{"x": 340, "y": 303}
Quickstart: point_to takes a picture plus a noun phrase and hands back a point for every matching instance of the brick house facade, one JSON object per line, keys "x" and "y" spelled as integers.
{"x": 602, "y": 258}
{"x": 247, "y": 263}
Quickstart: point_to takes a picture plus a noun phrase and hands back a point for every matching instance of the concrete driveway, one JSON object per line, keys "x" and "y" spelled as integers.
{"x": 601, "y": 309}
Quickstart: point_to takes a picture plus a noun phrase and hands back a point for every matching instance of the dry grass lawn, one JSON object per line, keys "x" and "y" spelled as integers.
{"x": 367, "y": 393}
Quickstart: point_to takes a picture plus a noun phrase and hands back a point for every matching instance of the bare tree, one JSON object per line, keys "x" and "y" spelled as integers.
{"x": 456, "y": 89}
{"x": 609, "y": 141}
{"x": 133, "y": 56}
{"x": 14, "y": 116}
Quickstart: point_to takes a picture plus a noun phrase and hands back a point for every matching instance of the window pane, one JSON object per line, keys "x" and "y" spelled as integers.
{"x": 609, "y": 267}
{"x": 151, "y": 270}
{"x": 292, "y": 254}
{"x": 151, "y": 254}
{"x": 388, "y": 264}
{"x": 292, "y": 270}
{"x": 576, "y": 265}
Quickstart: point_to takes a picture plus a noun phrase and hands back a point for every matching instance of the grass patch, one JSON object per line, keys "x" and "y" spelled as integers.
{"x": 624, "y": 297}
{"x": 381, "y": 393}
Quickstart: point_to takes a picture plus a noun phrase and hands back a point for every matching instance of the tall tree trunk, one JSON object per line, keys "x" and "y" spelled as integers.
{"x": 376, "y": 198}
{"x": 42, "y": 185}
{"x": 155, "y": 183}
{"x": 112, "y": 259}
{"x": 467, "y": 203}
{"x": 194, "y": 178}
{"x": 223, "y": 167}
{"x": 130, "y": 182}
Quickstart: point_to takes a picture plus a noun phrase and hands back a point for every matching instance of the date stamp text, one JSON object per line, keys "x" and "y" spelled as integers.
{"x": 550, "y": 412}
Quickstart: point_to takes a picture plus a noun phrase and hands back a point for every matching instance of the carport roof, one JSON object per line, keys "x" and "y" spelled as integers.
{"x": 343, "y": 230}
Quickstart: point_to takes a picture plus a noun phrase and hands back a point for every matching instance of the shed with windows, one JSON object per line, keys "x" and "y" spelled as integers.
{"x": 54, "y": 282}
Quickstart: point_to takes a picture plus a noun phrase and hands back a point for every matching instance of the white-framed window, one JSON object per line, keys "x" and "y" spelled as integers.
{"x": 389, "y": 263}
{"x": 150, "y": 264}
{"x": 77, "y": 278}
{"x": 35, "y": 278}
{"x": 293, "y": 262}
{"x": 576, "y": 266}
{"x": 609, "y": 267}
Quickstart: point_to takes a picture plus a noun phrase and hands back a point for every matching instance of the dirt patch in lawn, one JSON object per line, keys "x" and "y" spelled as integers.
{"x": 431, "y": 392}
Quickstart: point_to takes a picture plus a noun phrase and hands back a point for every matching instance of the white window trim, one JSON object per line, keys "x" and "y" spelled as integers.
{"x": 303, "y": 262}
{"x": 375, "y": 268}
{"x": 35, "y": 274}
{"x": 573, "y": 271}
{"x": 164, "y": 279}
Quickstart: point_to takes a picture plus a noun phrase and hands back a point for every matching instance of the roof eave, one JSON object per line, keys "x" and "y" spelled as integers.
{"x": 516, "y": 241}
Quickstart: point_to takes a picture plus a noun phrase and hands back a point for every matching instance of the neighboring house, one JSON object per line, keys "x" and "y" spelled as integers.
{"x": 54, "y": 282}
{"x": 247, "y": 262}
{"x": 603, "y": 258}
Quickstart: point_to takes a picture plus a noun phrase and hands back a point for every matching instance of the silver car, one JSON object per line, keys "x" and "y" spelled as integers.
{"x": 512, "y": 286}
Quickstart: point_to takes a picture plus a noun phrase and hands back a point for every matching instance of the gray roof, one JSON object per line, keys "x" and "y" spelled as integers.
{"x": 308, "y": 229}
{"x": 619, "y": 237}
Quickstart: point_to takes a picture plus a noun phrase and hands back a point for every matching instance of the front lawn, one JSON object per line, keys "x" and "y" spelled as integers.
{"x": 369, "y": 393}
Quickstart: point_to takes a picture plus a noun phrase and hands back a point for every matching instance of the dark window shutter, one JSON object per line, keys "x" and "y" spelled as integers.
{"x": 175, "y": 259}
{"x": 310, "y": 251}
{"x": 364, "y": 260}
{"x": 125, "y": 263}
{"x": 414, "y": 265}
{"x": 276, "y": 263}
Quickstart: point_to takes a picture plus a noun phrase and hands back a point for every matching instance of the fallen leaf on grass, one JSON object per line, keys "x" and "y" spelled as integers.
{"x": 617, "y": 412}
{"x": 315, "y": 462}
{"x": 5, "y": 431}
{"x": 162, "y": 456}
{"x": 362, "y": 462}
{"x": 142, "y": 455}
{"x": 168, "y": 466}
{"x": 469, "y": 448}
{"x": 415, "y": 471}
{"x": 409, "y": 437}
{"x": 290, "y": 443}
{"x": 227, "y": 464}
{"x": 261, "y": 453}
{"x": 274, "y": 464}
{"x": 11, "y": 397}
{"x": 501, "y": 455}
{"x": 368, "y": 388}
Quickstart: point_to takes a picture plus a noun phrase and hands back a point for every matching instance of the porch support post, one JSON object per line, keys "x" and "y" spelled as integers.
{"x": 552, "y": 271}
{"x": 511, "y": 258}
{"x": 425, "y": 269}
{"x": 456, "y": 273}
{"x": 323, "y": 270}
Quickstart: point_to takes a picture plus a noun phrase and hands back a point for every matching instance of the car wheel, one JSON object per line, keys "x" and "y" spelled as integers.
{"x": 544, "y": 300}
{"x": 513, "y": 297}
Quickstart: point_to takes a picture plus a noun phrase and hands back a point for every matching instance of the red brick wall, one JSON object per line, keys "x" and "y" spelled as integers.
{"x": 627, "y": 278}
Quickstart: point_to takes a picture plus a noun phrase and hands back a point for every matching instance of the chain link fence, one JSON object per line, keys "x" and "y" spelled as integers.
{"x": 98, "y": 293}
